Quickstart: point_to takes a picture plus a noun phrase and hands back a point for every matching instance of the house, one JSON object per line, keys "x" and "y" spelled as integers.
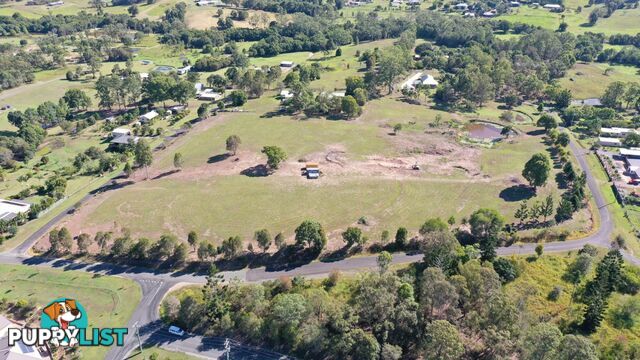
{"x": 587, "y": 102}
{"x": 144, "y": 75}
{"x": 209, "y": 95}
{"x": 414, "y": 2}
{"x": 55, "y": 3}
{"x": 120, "y": 132}
{"x": 177, "y": 109}
{"x": 110, "y": 119}
{"x": 19, "y": 351}
{"x": 631, "y": 161}
{"x": 616, "y": 132}
{"x": 608, "y": 141}
{"x": 312, "y": 171}
{"x": 514, "y": 3}
{"x": 124, "y": 140}
{"x": 199, "y": 87}
{"x": 9, "y": 209}
{"x": 461, "y": 6}
{"x": 184, "y": 70}
{"x": 420, "y": 79}
{"x": 286, "y": 94}
{"x": 490, "y": 13}
{"x": 469, "y": 14}
{"x": 148, "y": 116}
{"x": 396, "y": 3}
{"x": 553, "y": 7}
{"x": 287, "y": 64}
{"x": 339, "y": 94}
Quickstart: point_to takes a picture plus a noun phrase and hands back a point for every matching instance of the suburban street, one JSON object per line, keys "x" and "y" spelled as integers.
{"x": 156, "y": 284}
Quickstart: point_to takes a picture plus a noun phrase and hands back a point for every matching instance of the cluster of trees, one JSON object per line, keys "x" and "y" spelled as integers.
{"x": 326, "y": 9}
{"x": 620, "y": 95}
{"x": 450, "y": 306}
{"x": 533, "y": 213}
{"x": 96, "y": 161}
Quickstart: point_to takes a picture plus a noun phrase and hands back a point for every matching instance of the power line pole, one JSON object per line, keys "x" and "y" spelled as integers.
{"x": 138, "y": 335}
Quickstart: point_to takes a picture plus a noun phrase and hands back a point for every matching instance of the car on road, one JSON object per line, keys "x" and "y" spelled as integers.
{"x": 176, "y": 330}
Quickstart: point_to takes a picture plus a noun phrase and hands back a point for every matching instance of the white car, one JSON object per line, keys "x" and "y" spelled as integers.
{"x": 176, "y": 331}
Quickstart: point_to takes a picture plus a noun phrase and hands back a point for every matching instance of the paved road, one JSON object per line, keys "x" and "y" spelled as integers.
{"x": 155, "y": 284}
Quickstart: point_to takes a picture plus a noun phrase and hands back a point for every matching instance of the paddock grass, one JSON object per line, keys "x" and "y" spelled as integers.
{"x": 622, "y": 21}
{"x": 539, "y": 276}
{"x": 589, "y": 80}
{"x": 108, "y": 300}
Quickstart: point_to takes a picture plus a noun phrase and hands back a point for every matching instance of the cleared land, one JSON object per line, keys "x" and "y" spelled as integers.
{"x": 109, "y": 301}
{"x": 589, "y": 80}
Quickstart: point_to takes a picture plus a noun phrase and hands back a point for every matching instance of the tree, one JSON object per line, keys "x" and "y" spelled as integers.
{"x": 579, "y": 268}
{"x": 164, "y": 247}
{"x": 231, "y": 247}
{"x": 547, "y": 121}
{"x": 505, "y": 269}
{"x": 263, "y": 238}
{"x": 384, "y": 260}
{"x": 338, "y": 52}
{"x": 440, "y": 249}
{"x": 522, "y": 213}
{"x": 539, "y": 249}
{"x": 76, "y": 99}
{"x": 279, "y": 241}
{"x": 397, "y": 128}
{"x": 133, "y": 10}
{"x": 143, "y": 155}
{"x": 310, "y": 233}
{"x": 393, "y": 63}
{"x": 275, "y": 155}
{"x": 486, "y": 225}
{"x": 179, "y": 255}
{"x": 632, "y": 139}
{"x": 350, "y": 107}
{"x": 127, "y": 169}
{"x": 540, "y": 342}
{"x": 352, "y": 235}
{"x": 361, "y": 96}
{"x": 178, "y": 161}
{"x": 233, "y": 143}
{"x": 546, "y": 209}
{"x": 401, "y": 237}
{"x": 431, "y": 225}
{"x": 238, "y": 98}
{"x": 613, "y": 95}
{"x": 192, "y": 239}
{"x": 563, "y": 139}
{"x": 536, "y": 170}
{"x": 574, "y": 347}
{"x": 442, "y": 341}
{"x": 84, "y": 241}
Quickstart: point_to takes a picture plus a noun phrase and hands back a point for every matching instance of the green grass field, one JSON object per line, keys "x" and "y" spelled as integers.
{"x": 108, "y": 300}
{"x": 591, "y": 79}
{"x": 622, "y": 21}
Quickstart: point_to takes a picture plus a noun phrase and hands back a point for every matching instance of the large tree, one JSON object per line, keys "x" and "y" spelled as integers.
{"x": 310, "y": 233}
{"x": 537, "y": 169}
{"x": 275, "y": 156}
{"x": 442, "y": 341}
{"x": 486, "y": 225}
{"x": 143, "y": 155}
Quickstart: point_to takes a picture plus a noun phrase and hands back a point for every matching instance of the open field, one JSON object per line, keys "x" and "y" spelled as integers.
{"x": 539, "y": 277}
{"x": 109, "y": 301}
{"x": 367, "y": 173}
{"x": 622, "y": 21}
{"x": 588, "y": 80}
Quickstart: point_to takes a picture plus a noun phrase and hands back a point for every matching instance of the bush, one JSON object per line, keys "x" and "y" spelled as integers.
{"x": 505, "y": 269}
{"x": 555, "y": 293}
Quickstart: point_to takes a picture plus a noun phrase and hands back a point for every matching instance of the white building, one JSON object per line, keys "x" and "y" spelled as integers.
{"x": 286, "y": 94}
{"x": 120, "y": 132}
{"x": 9, "y": 209}
{"x": 607, "y": 141}
{"x": 148, "y": 116}
{"x": 209, "y": 95}
{"x": 616, "y": 132}
{"x": 420, "y": 79}
{"x": 553, "y": 7}
{"x": 184, "y": 70}
{"x": 56, "y": 3}
{"x": 461, "y": 6}
{"x": 19, "y": 351}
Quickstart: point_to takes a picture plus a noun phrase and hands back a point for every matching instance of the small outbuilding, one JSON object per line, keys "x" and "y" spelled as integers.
{"x": 608, "y": 141}
{"x": 312, "y": 170}
{"x": 286, "y": 64}
{"x": 148, "y": 116}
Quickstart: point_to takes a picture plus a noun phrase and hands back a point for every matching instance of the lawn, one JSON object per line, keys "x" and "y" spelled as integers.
{"x": 539, "y": 277}
{"x": 108, "y": 300}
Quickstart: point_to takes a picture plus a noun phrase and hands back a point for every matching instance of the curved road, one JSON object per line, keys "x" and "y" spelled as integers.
{"x": 155, "y": 284}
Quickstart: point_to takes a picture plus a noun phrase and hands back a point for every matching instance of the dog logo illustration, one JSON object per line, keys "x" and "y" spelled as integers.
{"x": 66, "y": 315}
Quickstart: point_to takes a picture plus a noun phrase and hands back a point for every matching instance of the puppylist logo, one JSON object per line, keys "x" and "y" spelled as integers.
{"x": 64, "y": 322}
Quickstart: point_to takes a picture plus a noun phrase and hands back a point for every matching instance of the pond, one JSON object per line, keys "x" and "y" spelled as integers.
{"x": 484, "y": 131}
{"x": 164, "y": 69}
{"x": 146, "y": 62}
